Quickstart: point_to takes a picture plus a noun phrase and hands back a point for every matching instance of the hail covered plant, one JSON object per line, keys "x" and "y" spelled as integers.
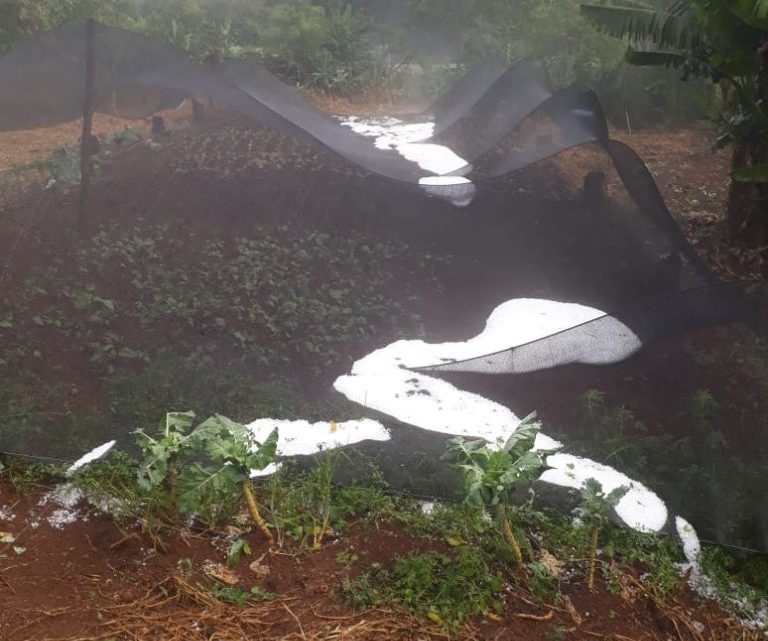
{"x": 491, "y": 475}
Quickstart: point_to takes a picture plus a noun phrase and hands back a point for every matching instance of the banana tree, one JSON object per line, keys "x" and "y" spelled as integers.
{"x": 726, "y": 41}
{"x": 594, "y": 510}
{"x": 490, "y": 475}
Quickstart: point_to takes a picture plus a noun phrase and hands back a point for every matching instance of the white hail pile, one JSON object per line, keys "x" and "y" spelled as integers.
{"x": 297, "y": 438}
{"x": 410, "y": 141}
{"x": 383, "y": 381}
{"x": 94, "y": 455}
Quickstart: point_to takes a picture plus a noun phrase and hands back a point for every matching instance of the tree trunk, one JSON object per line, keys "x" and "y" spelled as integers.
{"x": 748, "y": 202}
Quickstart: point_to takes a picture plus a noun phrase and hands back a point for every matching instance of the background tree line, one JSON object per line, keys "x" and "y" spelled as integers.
{"x": 652, "y": 62}
{"x": 388, "y": 48}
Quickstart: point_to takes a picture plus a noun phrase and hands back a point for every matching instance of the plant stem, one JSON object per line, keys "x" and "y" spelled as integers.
{"x": 509, "y": 536}
{"x": 173, "y": 473}
{"x": 253, "y": 510}
{"x": 592, "y": 557}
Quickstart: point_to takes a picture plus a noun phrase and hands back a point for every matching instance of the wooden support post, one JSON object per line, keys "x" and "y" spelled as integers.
{"x": 86, "y": 142}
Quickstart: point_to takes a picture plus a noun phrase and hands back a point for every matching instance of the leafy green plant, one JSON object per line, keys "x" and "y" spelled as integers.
{"x": 594, "y": 509}
{"x": 111, "y": 485}
{"x": 160, "y": 453}
{"x": 236, "y": 595}
{"x": 25, "y": 476}
{"x": 490, "y": 474}
{"x": 703, "y": 409}
{"x": 321, "y": 495}
{"x": 235, "y": 454}
{"x": 308, "y": 506}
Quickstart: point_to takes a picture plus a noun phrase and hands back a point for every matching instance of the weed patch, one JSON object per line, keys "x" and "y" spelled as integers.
{"x": 445, "y": 588}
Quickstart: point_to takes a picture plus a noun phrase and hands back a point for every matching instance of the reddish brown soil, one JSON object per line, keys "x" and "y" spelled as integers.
{"x": 94, "y": 580}
{"x": 694, "y": 178}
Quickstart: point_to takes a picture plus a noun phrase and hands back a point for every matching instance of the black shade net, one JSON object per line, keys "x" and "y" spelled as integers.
{"x": 557, "y": 211}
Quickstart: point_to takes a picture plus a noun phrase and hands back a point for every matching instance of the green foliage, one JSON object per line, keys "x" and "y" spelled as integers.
{"x": 20, "y": 19}
{"x": 596, "y": 506}
{"x": 288, "y": 294}
{"x": 753, "y": 174}
{"x": 231, "y": 444}
{"x": 158, "y": 452}
{"x": 237, "y": 596}
{"x": 237, "y": 548}
{"x": 234, "y": 453}
{"x": 549, "y": 30}
{"x": 198, "y": 471}
{"x": 111, "y": 485}
{"x": 490, "y": 474}
{"x": 446, "y": 588}
{"x": 594, "y": 509}
{"x": 25, "y": 476}
{"x": 306, "y": 507}
{"x": 740, "y": 586}
{"x": 698, "y": 472}
{"x": 335, "y": 46}
{"x": 614, "y": 434}
{"x": 162, "y": 333}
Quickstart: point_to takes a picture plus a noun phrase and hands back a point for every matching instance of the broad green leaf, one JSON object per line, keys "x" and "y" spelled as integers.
{"x": 178, "y": 421}
{"x": 752, "y": 12}
{"x": 236, "y": 550}
{"x": 198, "y": 485}
{"x": 523, "y": 438}
{"x": 265, "y": 454}
{"x": 665, "y": 29}
{"x": 595, "y": 505}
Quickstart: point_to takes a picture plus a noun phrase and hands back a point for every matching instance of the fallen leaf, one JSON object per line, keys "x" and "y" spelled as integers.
{"x": 259, "y": 568}
{"x": 7, "y": 537}
{"x": 554, "y": 566}
{"x": 435, "y": 617}
{"x": 220, "y": 573}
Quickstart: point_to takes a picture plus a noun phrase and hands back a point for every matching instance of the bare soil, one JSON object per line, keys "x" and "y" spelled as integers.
{"x": 94, "y": 580}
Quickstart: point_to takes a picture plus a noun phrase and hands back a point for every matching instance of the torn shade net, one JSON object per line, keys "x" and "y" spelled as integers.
{"x": 564, "y": 264}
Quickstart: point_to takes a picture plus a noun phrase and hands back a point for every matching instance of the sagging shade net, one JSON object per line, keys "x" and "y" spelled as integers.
{"x": 413, "y": 279}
